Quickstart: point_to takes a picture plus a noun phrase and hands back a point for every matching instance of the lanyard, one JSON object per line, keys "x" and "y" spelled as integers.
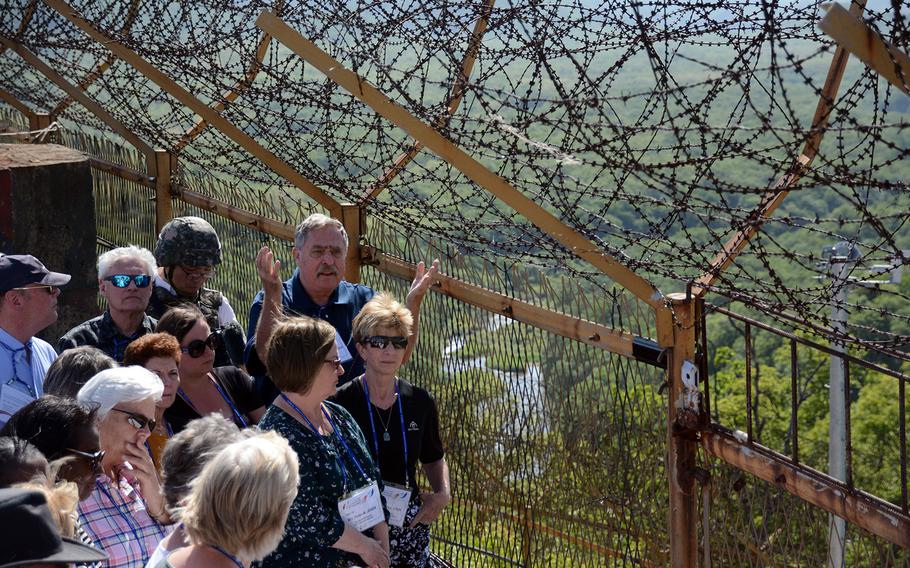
{"x": 344, "y": 472}
{"x": 227, "y": 554}
{"x": 239, "y": 417}
{"x": 127, "y": 516}
{"x": 404, "y": 438}
{"x": 33, "y": 389}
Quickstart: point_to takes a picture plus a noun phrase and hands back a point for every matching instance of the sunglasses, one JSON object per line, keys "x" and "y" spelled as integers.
{"x": 336, "y": 363}
{"x": 94, "y": 457}
{"x": 138, "y": 421}
{"x": 50, "y": 289}
{"x": 382, "y": 341}
{"x": 123, "y": 280}
{"x": 197, "y": 347}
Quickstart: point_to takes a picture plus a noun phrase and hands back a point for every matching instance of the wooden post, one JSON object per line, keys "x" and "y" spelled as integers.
{"x": 163, "y": 210}
{"x": 39, "y": 121}
{"x": 677, "y": 331}
{"x": 352, "y": 218}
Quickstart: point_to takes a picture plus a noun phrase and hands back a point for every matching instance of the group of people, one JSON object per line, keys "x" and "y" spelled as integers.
{"x": 145, "y": 442}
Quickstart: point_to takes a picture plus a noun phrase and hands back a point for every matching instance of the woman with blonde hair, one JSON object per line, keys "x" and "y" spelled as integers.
{"x": 237, "y": 508}
{"x": 401, "y": 424}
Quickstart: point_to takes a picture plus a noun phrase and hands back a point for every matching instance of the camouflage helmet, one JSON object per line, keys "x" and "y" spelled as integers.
{"x": 190, "y": 241}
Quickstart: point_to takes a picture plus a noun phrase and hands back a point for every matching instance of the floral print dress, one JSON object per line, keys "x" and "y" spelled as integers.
{"x": 314, "y": 523}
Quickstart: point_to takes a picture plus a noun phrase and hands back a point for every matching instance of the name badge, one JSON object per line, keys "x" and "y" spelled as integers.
{"x": 362, "y": 508}
{"x": 397, "y": 498}
{"x": 343, "y": 354}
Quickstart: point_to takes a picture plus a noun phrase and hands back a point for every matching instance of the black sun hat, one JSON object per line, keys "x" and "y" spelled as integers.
{"x": 30, "y": 535}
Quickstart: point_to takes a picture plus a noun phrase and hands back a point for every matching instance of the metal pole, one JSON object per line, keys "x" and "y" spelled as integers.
{"x": 837, "y": 432}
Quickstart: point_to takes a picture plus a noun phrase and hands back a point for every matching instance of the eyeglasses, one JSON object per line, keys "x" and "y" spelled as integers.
{"x": 123, "y": 280}
{"x": 198, "y": 271}
{"x": 336, "y": 363}
{"x": 50, "y": 289}
{"x": 94, "y": 457}
{"x": 382, "y": 341}
{"x": 138, "y": 421}
{"x": 197, "y": 347}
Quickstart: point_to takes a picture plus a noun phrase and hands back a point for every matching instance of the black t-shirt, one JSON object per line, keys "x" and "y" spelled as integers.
{"x": 236, "y": 384}
{"x": 421, "y": 422}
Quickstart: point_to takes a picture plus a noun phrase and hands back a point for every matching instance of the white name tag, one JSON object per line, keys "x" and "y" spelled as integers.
{"x": 362, "y": 508}
{"x": 396, "y": 501}
{"x": 343, "y": 354}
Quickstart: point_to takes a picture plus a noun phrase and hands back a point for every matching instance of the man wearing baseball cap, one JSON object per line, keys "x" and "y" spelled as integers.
{"x": 30, "y": 536}
{"x": 28, "y": 304}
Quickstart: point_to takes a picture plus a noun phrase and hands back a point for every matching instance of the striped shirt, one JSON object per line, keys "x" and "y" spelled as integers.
{"x": 114, "y": 516}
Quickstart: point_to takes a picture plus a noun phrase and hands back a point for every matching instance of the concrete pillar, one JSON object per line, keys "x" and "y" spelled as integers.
{"x": 47, "y": 210}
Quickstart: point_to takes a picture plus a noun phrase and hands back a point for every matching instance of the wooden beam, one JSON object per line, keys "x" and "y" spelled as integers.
{"x": 99, "y": 70}
{"x": 27, "y": 13}
{"x": 589, "y": 333}
{"x": 215, "y": 119}
{"x": 12, "y": 101}
{"x": 163, "y": 172}
{"x": 453, "y": 101}
{"x": 853, "y": 35}
{"x": 240, "y": 87}
{"x": 863, "y": 510}
{"x": 83, "y": 99}
{"x": 776, "y": 194}
{"x": 571, "y": 239}
{"x": 271, "y": 227}
{"x": 352, "y": 220}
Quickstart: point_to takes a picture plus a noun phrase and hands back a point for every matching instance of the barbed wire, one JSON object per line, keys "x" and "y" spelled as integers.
{"x": 654, "y": 128}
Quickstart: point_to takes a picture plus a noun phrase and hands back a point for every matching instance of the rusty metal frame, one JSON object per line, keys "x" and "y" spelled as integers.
{"x": 83, "y": 99}
{"x": 863, "y": 510}
{"x": 361, "y": 89}
{"x": 867, "y": 45}
{"x": 12, "y": 101}
{"x": 93, "y": 76}
{"x": 776, "y": 194}
{"x": 239, "y": 88}
{"x": 456, "y": 93}
{"x": 211, "y": 116}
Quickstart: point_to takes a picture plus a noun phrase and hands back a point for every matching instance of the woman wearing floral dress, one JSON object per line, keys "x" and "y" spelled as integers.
{"x": 302, "y": 361}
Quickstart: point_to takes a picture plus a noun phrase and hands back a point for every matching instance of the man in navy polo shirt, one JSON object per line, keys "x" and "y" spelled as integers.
{"x": 317, "y": 289}
{"x": 28, "y": 304}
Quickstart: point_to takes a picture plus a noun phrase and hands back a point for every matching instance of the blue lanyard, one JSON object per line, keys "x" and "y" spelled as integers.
{"x": 33, "y": 389}
{"x": 227, "y": 554}
{"x": 404, "y": 438}
{"x": 127, "y": 516}
{"x": 239, "y": 417}
{"x": 170, "y": 434}
{"x": 344, "y": 472}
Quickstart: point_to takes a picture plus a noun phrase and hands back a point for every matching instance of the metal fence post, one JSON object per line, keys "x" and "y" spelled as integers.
{"x": 676, "y": 331}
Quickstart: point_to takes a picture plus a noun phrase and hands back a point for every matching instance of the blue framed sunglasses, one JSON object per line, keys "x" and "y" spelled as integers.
{"x": 123, "y": 280}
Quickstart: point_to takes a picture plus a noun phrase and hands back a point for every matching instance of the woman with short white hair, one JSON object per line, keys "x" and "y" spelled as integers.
{"x": 237, "y": 508}
{"x": 125, "y": 277}
{"x": 125, "y": 514}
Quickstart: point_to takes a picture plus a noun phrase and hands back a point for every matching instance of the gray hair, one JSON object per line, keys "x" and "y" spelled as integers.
{"x": 106, "y": 260}
{"x": 123, "y": 384}
{"x": 188, "y": 451}
{"x": 241, "y": 499}
{"x": 70, "y": 371}
{"x": 314, "y": 222}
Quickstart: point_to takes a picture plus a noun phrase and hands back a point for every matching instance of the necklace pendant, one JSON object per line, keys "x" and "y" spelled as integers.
{"x": 386, "y": 437}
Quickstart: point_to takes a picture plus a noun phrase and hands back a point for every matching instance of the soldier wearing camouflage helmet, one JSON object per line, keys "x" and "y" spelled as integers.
{"x": 187, "y": 252}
